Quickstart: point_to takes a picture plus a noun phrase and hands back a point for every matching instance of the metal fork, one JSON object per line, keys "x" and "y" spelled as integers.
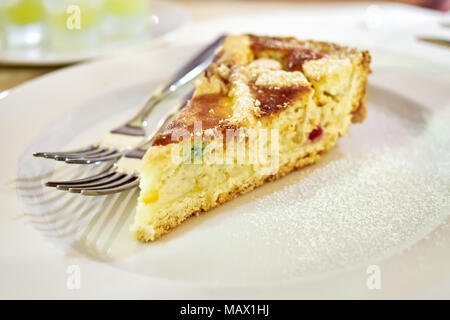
{"x": 131, "y": 133}
{"x": 123, "y": 174}
{"x": 436, "y": 41}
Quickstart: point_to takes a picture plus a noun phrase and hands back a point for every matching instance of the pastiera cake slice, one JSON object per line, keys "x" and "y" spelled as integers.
{"x": 264, "y": 107}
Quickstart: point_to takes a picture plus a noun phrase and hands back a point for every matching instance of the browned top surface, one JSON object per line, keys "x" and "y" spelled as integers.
{"x": 276, "y": 99}
{"x": 294, "y": 55}
{"x": 210, "y": 109}
{"x": 214, "y": 109}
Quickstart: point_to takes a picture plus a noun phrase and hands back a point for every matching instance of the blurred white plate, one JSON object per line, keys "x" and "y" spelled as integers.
{"x": 384, "y": 188}
{"x": 165, "y": 18}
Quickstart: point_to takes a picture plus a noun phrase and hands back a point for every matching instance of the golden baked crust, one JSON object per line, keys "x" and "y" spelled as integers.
{"x": 307, "y": 90}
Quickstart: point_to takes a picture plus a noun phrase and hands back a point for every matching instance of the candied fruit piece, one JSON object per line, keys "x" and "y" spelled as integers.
{"x": 316, "y": 133}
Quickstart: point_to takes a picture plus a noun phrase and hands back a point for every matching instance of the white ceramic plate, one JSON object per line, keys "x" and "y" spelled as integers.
{"x": 384, "y": 188}
{"x": 165, "y": 18}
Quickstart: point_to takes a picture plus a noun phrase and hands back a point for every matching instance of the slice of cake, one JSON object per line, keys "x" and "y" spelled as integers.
{"x": 264, "y": 107}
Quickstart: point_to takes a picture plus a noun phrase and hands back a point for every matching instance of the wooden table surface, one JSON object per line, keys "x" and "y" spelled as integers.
{"x": 11, "y": 76}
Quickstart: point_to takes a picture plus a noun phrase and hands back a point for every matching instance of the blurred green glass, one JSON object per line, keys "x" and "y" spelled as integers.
{"x": 126, "y": 8}
{"x": 23, "y": 12}
{"x": 125, "y": 19}
{"x": 90, "y": 15}
{"x": 23, "y": 22}
{"x": 74, "y": 24}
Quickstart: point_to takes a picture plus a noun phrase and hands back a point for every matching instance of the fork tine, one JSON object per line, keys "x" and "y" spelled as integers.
{"x": 93, "y": 153}
{"x": 101, "y": 192}
{"x": 83, "y": 150}
{"x": 92, "y": 160}
{"x": 78, "y": 155}
{"x": 95, "y": 183}
{"x": 117, "y": 183}
{"x": 78, "y": 181}
{"x": 105, "y": 153}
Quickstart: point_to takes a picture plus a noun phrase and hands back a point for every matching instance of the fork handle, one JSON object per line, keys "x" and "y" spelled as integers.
{"x": 188, "y": 72}
{"x": 135, "y": 126}
{"x": 139, "y": 151}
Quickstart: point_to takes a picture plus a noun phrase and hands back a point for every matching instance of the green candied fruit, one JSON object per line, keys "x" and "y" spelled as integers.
{"x": 25, "y": 12}
{"x": 125, "y": 8}
{"x": 196, "y": 153}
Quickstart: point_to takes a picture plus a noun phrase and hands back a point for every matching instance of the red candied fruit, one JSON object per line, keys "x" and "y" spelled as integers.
{"x": 315, "y": 134}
